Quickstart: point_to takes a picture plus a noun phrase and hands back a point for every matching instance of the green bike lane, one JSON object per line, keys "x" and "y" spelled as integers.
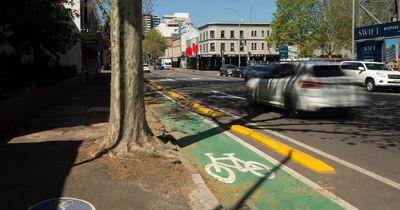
{"x": 234, "y": 172}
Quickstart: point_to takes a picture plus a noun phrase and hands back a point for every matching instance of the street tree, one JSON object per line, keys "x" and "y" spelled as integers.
{"x": 294, "y": 23}
{"x": 154, "y": 44}
{"x": 332, "y": 32}
{"x": 128, "y": 129}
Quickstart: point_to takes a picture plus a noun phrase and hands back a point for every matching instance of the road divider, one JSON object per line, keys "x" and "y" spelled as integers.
{"x": 204, "y": 110}
{"x": 156, "y": 86}
{"x": 176, "y": 95}
{"x": 298, "y": 156}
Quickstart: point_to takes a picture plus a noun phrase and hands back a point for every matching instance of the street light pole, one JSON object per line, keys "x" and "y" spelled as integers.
{"x": 240, "y": 19}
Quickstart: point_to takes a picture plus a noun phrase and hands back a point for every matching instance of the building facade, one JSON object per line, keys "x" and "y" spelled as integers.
{"x": 150, "y": 22}
{"x": 170, "y": 24}
{"x": 189, "y": 35}
{"x": 225, "y": 43}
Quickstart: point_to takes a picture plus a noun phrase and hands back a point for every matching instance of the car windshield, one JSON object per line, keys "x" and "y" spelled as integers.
{"x": 327, "y": 71}
{"x": 230, "y": 66}
{"x": 378, "y": 66}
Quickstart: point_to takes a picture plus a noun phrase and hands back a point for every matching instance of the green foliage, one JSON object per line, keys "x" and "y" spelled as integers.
{"x": 295, "y": 23}
{"x": 154, "y": 43}
{"x": 37, "y": 27}
{"x": 333, "y": 31}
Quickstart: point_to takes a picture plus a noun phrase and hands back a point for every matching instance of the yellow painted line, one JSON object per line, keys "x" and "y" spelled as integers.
{"x": 155, "y": 85}
{"x": 176, "y": 95}
{"x": 205, "y": 110}
{"x": 300, "y": 157}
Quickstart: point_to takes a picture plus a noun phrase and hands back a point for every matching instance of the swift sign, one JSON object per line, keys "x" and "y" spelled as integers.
{"x": 385, "y": 30}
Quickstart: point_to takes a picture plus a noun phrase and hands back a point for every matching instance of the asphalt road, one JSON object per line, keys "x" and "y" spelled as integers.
{"x": 363, "y": 146}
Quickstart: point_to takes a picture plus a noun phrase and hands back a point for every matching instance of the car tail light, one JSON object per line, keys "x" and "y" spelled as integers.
{"x": 309, "y": 84}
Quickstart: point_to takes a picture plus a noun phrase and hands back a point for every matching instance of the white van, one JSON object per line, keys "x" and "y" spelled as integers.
{"x": 372, "y": 75}
{"x": 166, "y": 63}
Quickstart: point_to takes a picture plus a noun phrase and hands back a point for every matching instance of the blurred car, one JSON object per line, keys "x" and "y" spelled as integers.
{"x": 372, "y": 75}
{"x": 146, "y": 67}
{"x": 306, "y": 87}
{"x": 157, "y": 66}
{"x": 260, "y": 71}
{"x": 227, "y": 70}
{"x": 240, "y": 71}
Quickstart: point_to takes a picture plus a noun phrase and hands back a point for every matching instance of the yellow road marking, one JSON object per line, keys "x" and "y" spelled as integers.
{"x": 176, "y": 95}
{"x": 300, "y": 157}
{"x": 205, "y": 110}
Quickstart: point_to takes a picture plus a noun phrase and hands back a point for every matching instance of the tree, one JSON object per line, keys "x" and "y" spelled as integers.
{"x": 154, "y": 44}
{"x": 52, "y": 33}
{"x": 128, "y": 129}
{"x": 332, "y": 32}
{"x": 294, "y": 23}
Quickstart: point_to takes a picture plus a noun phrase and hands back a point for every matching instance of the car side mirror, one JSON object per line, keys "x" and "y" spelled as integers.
{"x": 361, "y": 68}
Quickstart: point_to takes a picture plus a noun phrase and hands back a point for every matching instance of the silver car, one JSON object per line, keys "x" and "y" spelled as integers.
{"x": 305, "y": 86}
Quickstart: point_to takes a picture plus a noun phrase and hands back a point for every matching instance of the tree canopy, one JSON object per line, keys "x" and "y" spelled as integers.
{"x": 154, "y": 43}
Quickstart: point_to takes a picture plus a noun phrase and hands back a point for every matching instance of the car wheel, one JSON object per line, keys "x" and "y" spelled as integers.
{"x": 251, "y": 98}
{"x": 290, "y": 109}
{"x": 370, "y": 85}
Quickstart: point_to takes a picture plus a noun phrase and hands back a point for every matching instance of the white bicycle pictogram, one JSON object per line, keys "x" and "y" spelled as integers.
{"x": 216, "y": 168}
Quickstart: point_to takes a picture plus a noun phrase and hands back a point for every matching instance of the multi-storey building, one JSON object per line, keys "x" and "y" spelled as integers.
{"x": 223, "y": 43}
{"x": 150, "y": 22}
{"x": 189, "y": 35}
{"x": 390, "y": 53}
{"x": 170, "y": 24}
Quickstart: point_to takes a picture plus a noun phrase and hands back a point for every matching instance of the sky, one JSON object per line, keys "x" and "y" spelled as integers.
{"x": 205, "y": 11}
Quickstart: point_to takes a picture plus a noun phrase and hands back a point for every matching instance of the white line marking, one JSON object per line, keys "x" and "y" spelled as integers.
{"x": 338, "y": 160}
{"x": 230, "y": 96}
{"x": 293, "y": 173}
{"x": 326, "y": 155}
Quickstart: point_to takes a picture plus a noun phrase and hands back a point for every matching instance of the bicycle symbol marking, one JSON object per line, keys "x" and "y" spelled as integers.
{"x": 63, "y": 204}
{"x": 217, "y": 168}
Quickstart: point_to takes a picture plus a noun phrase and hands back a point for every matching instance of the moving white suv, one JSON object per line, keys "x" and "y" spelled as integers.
{"x": 372, "y": 74}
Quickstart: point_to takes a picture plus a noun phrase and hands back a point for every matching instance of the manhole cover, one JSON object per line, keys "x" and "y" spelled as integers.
{"x": 63, "y": 203}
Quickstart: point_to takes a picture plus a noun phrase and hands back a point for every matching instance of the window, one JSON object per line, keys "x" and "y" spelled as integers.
{"x": 253, "y": 33}
{"x": 207, "y": 47}
{"x": 267, "y": 33}
{"x": 223, "y": 47}
{"x": 262, "y": 46}
{"x": 241, "y": 34}
{"x": 201, "y": 48}
{"x": 232, "y": 34}
{"x": 212, "y": 34}
{"x": 206, "y": 34}
{"x": 253, "y": 46}
{"x": 241, "y": 47}
{"x": 263, "y": 33}
{"x": 212, "y": 47}
{"x": 232, "y": 47}
{"x": 222, "y": 34}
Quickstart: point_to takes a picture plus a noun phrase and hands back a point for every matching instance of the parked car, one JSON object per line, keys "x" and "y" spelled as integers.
{"x": 372, "y": 75}
{"x": 259, "y": 71}
{"x": 305, "y": 86}
{"x": 157, "y": 66}
{"x": 227, "y": 70}
{"x": 239, "y": 71}
{"x": 146, "y": 67}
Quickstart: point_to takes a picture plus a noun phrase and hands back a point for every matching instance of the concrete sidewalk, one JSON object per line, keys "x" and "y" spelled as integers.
{"x": 41, "y": 159}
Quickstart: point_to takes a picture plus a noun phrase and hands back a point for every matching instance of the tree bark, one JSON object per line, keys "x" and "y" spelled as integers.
{"x": 128, "y": 127}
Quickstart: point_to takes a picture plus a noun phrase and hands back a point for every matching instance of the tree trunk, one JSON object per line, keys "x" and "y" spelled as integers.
{"x": 128, "y": 127}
